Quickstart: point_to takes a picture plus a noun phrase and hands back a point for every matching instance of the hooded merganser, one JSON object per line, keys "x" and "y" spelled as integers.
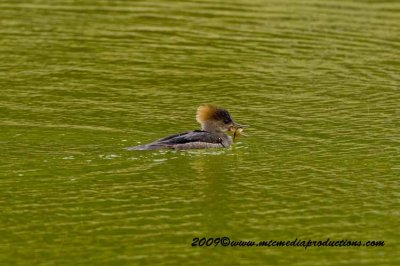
{"x": 214, "y": 123}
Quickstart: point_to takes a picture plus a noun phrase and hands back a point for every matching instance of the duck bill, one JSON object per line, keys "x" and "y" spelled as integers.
{"x": 237, "y": 130}
{"x": 236, "y": 126}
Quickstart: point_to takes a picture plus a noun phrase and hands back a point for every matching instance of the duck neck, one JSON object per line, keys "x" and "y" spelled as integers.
{"x": 210, "y": 126}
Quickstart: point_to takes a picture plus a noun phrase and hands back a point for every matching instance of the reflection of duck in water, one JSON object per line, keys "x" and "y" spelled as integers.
{"x": 214, "y": 122}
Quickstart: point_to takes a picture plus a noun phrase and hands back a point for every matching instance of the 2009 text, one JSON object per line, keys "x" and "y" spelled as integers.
{"x": 227, "y": 242}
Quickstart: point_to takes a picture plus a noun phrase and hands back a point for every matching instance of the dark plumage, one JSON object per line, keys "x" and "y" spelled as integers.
{"x": 214, "y": 122}
{"x": 196, "y": 139}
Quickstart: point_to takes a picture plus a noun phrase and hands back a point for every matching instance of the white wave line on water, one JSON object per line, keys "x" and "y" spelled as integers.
{"x": 47, "y": 125}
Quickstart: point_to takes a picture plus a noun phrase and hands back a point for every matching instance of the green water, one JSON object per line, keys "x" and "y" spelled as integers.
{"x": 317, "y": 81}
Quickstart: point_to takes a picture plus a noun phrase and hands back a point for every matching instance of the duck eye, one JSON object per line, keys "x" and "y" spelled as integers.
{"x": 226, "y": 121}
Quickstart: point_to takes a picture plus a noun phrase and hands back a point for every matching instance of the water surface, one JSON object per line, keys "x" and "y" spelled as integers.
{"x": 317, "y": 81}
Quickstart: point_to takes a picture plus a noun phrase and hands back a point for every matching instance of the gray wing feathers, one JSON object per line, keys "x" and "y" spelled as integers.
{"x": 183, "y": 141}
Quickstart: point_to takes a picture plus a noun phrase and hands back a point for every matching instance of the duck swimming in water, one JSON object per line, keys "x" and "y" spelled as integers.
{"x": 214, "y": 121}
